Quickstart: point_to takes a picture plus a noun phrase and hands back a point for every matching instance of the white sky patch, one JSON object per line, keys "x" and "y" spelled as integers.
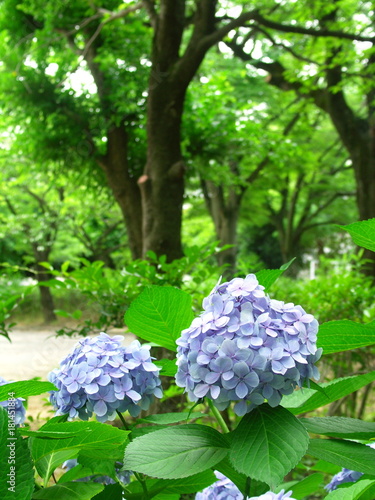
{"x": 81, "y": 81}
{"x": 29, "y": 62}
{"x": 52, "y": 69}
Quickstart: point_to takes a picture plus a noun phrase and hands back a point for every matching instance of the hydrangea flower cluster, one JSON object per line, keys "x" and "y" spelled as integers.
{"x": 14, "y": 407}
{"x": 122, "y": 475}
{"x": 246, "y": 347}
{"x": 345, "y": 476}
{"x": 101, "y": 376}
{"x": 225, "y": 489}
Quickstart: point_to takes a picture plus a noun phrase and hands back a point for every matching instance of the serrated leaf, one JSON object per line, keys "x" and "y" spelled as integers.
{"x": 268, "y": 443}
{"x": 267, "y": 277}
{"x": 159, "y": 314}
{"x": 176, "y": 452}
{"x": 25, "y": 388}
{"x": 344, "y": 335}
{"x": 69, "y": 491}
{"x": 344, "y": 427}
{"x": 362, "y": 233}
{"x": 15, "y": 460}
{"x": 306, "y": 400}
{"x": 170, "y": 418}
{"x": 352, "y": 491}
{"x": 349, "y": 454}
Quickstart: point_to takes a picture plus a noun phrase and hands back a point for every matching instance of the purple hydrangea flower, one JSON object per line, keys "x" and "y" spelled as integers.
{"x": 345, "y": 476}
{"x": 101, "y": 376}
{"x": 123, "y": 476}
{"x": 225, "y": 489}
{"x": 14, "y": 407}
{"x": 247, "y": 348}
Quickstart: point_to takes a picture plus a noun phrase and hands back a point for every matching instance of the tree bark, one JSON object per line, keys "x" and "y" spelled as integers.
{"x": 124, "y": 186}
{"x": 224, "y": 214}
{"x": 46, "y": 297}
{"x": 162, "y": 184}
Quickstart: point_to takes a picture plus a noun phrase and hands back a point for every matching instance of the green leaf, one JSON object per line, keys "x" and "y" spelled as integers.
{"x": 92, "y": 437}
{"x": 15, "y": 462}
{"x": 352, "y": 491}
{"x": 168, "y": 367}
{"x": 77, "y": 472}
{"x": 170, "y": 418}
{"x": 25, "y": 388}
{"x": 354, "y": 456}
{"x": 362, "y": 233}
{"x": 69, "y": 491}
{"x": 323, "y": 466}
{"x": 102, "y": 466}
{"x": 267, "y": 277}
{"x": 159, "y": 314}
{"x": 344, "y": 335}
{"x": 344, "y": 427}
{"x": 48, "y": 434}
{"x": 268, "y": 443}
{"x": 110, "y": 492}
{"x": 304, "y": 400}
{"x": 176, "y": 452}
{"x": 307, "y": 486}
{"x": 186, "y": 485}
{"x": 46, "y": 465}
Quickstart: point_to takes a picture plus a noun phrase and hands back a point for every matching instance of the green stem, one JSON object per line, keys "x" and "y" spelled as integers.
{"x": 123, "y": 421}
{"x": 136, "y": 474}
{"x": 218, "y": 416}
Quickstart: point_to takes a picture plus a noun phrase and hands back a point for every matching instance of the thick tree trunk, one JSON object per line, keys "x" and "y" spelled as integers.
{"x": 162, "y": 185}
{"x": 358, "y": 136}
{"x": 124, "y": 186}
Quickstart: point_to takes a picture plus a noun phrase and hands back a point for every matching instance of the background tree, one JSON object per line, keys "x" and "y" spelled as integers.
{"x": 325, "y": 53}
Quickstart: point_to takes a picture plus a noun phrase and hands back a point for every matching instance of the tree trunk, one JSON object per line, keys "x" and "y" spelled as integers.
{"x": 358, "y": 136}
{"x": 162, "y": 184}
{"x": 124, "y": 186}
{"x": 225, "y": 217}
{"x": 46, "y": 298}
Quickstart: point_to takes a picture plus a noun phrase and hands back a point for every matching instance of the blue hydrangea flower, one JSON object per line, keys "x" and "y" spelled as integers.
{"x": 122, "y": 475}
{"x": 273, "y": 496}
{"x": 345, "y": 476}
{"x": 247, "y": 348}
{"x": 101, "y": 377}
{"x": 14, "y": 407}
{"x": 225, "y": 489}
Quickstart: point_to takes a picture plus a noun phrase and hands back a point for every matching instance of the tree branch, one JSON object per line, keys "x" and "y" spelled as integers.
{"x": 288, "y": 28}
